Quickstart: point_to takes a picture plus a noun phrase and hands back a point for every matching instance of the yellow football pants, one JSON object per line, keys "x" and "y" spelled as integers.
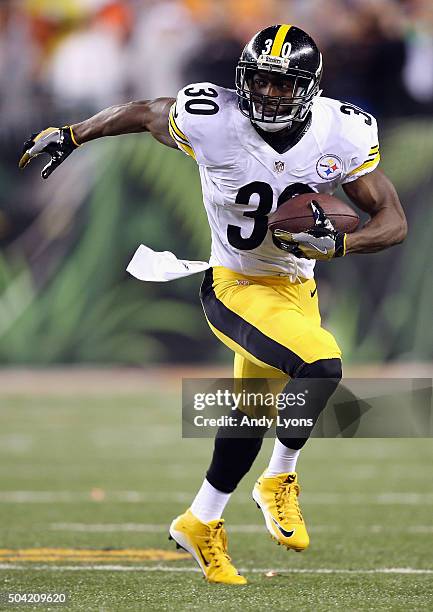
{"x": 272, "y": 324}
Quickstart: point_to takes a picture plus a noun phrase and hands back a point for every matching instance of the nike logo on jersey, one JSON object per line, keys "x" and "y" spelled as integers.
{"x": 286, "y": 534}
{"x": 313, "y": 293}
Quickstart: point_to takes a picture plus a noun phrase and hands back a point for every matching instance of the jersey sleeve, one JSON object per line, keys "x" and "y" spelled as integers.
{"x": 192, "y": 119}
{"x": 363, "y": 146}
{"x": 174, "y": 127}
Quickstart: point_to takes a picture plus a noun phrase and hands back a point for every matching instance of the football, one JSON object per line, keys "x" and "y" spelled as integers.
{"x": 296, "y": 214}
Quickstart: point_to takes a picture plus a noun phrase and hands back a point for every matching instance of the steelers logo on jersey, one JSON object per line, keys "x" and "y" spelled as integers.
{"x": 329, "y": 167}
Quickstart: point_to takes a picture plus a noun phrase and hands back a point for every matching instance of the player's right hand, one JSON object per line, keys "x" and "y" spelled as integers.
{"x": 321, "y": 242}
{"x": 57, "y": 142}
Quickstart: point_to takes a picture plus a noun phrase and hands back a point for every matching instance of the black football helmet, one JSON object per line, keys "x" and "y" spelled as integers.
{"x": 281, "y": 50}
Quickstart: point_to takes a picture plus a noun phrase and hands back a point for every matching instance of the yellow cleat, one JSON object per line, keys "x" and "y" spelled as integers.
{"x": 277, "y": 498}
{"x": 207, "y": 543}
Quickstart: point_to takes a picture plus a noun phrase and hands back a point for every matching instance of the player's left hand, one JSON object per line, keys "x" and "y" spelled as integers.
{"x": 58, "y": 143}
{"x": 322, "y": 242}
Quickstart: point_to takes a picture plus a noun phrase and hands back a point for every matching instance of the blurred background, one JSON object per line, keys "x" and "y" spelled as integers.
{"x": 65, "y": 243}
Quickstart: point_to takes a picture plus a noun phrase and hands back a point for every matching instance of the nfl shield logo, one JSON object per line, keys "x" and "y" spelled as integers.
{"x": 279, "y": 166}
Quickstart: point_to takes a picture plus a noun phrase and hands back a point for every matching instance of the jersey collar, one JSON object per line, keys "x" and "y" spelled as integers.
{"x": 251, "y": 140}
{"x": 288, "y": 140}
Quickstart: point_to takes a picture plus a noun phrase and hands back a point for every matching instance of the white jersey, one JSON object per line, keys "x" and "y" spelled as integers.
{"x": 244, "y": 179}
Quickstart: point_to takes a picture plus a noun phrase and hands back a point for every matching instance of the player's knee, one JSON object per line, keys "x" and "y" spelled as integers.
{"x": 322, "y": 368}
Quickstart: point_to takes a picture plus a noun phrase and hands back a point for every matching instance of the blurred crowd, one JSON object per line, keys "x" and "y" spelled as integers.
{"x": 62, "y": 58}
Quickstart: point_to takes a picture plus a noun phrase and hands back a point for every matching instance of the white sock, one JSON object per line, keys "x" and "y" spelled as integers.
{"x": 283, "y": 460}
{"x": 209, "y": 503}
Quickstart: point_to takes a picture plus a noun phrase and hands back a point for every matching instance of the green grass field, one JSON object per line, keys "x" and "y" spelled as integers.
{"x": 110, "y": 471}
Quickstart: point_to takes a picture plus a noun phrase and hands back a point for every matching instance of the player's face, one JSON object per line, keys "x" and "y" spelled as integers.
{"x": 271, "y": 85}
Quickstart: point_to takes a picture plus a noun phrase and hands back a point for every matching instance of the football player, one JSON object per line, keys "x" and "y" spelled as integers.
{"x": 271, "y": 138}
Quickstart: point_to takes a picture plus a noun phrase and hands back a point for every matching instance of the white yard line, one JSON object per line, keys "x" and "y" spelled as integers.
{"x": 259, "y": 528}
{"x": 253, "y": 570}
{"x": 140, "y": 497}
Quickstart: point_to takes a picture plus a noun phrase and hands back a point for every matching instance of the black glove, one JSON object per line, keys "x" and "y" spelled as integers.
{"x": 321, "y": 242}
{"x": 57, "y": 142}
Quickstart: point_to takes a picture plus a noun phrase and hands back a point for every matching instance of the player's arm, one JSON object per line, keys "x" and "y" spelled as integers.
{"x": 376, "y": 195}
{"x": 133, "y": 117}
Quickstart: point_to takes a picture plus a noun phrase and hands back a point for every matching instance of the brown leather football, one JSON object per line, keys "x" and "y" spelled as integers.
{"x": 296, "y": 214}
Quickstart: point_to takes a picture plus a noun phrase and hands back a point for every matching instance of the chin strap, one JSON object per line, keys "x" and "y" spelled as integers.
{"x": 272, "y": 127}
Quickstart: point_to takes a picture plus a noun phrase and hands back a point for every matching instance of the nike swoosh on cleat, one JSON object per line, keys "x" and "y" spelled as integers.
{"x": 286, "y": 534}
{"x": 202, "y": 556}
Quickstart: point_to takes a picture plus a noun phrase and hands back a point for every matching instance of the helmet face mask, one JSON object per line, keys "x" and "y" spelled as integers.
{"x": 301, "y": 68}
{"x": 275, "y": 109}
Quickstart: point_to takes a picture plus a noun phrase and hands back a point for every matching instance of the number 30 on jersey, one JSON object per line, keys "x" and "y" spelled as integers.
{"x": 201, "y": 105}
{"x": 260, "y": 214}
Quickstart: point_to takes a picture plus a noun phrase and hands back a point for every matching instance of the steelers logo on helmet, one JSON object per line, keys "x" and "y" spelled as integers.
{"x": 329, "y": 167}
{"x": 283, "y": 58}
